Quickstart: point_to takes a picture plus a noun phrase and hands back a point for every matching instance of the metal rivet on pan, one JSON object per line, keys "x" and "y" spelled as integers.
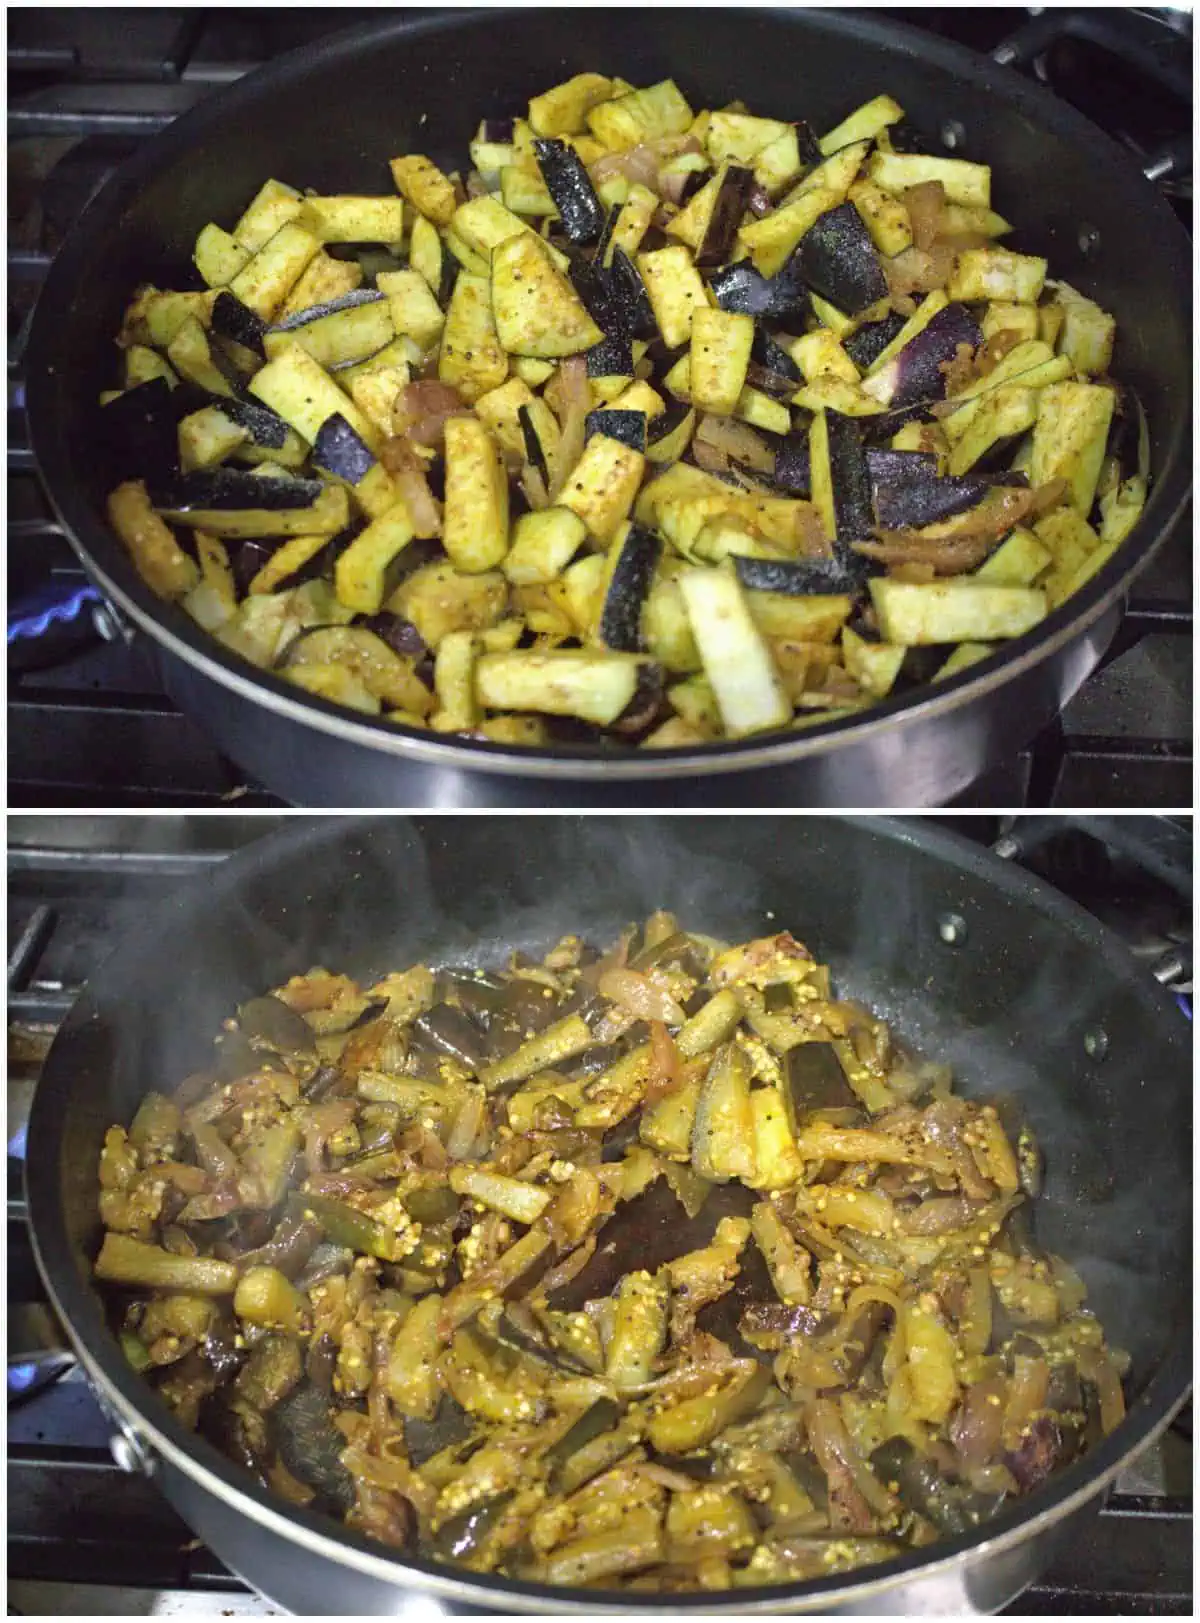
{"x": 952, "y": 928}
{"x": 1095, "y": 1042}
{"x": 953, "y": 134}
{"x": 1089, "y": 241}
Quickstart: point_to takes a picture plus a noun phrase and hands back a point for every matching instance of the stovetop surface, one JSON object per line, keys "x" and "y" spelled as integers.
{"x": 86, "y": 1539}
{"x": 88, "y": 719}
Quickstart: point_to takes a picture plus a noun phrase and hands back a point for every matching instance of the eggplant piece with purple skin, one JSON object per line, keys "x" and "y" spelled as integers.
{"x": 499, "y": 131}
{"x": 246, "y": 561}
{"x": 625, "y": 595}
{"x": 837, "y": 259}
{"x": 773, "y": 358}
{"x": 236, "y": 321}
{"x": 793, "y": 466}
{"x": 314, "y": 312}
{"x": 401, "y": 636}
{"x": 629, "y": 427}
{"x": 907, "y": 493}
{"x": 807, "y": 142}
{"x": 535, "y": 454}
{"x": 799, "y": 577}
{"x": 915, "y": 374}
{"x": 743, "y": 290}
{"x": 267, "y": 428}
{"x": 850, "y": 478}
{"x": 868, "y": 343}
{"x": 570, "y": 187}
{"x": 614, "y": 296}
{"x": 630, "y": 290}
{"x": 340, "y": 450}
{"x": 138, "y": 432}
{"x": 726, "y": 216}
{"x": 611, "y": 358}
{"x": 227, "y": 489}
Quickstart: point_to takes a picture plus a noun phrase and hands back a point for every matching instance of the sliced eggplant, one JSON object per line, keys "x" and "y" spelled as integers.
{"x": 535, "y": 451}
{"x": 793, "y": 465}
{"x": 851, "y": 479}
{"x": 138, "y": 432}
{"x": 611, "y": 358}
{"x": 234, "y": 320}
{"x": 837, "y": 259}
{"x": 730, "y": 204}
{"x": 266, "y": 427}
{"x": 773, "y": 358}
{"x": 906, "y": 492}
{"x": 746, "y": 291}
{"x": 620, "y": 623}
{"x": 915, "y": 374}
{"x": 808, "y": 144}
{"x": 340, "y": 451}
{"x": 316, "y": 312}
{"x": 868, "y": 343}
{"x": 668, "y": 434}
{"x": 801, "y": 577}
{"x": 627, "y": 426}
{"x": 568, "y": 182}
{"x": 694, "y": 182}
{"x": 222, "y": 489}
{"x": 815, "y": 1080}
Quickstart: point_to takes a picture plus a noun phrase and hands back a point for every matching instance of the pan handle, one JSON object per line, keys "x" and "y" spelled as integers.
{"x": 1158, "y": 845}
{"x": 1145, "y": 43}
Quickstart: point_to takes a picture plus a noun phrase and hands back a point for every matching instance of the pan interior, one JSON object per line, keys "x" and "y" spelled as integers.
{"x": 1013, "y": 1008}
{"x": 403, "y": 86}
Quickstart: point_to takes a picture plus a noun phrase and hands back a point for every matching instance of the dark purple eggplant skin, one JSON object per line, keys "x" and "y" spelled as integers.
{"x": 137, "y": 433}
{"x": 772, "y": 357}
{"x": 401, "y": 636}
{"x": 498, "y": 130}
{"x": 726, "y": 216}
{"x": 346, "y": 301}
{"x": 611, "y": 358}
{"x": 744, "y": 290}
{"x": 627, "y": 426}
{"x": 865, "y": 346}
{"x": 837, "y": 259}
{"x": 246, "y": 561}
{"x": 793, "y": 469}
{"x": 230, "y": 490}
{"x": 233, "y": 319}
{"x": 449, "y": 276}
{"x": 610, "y": 225}
{"x": 907, "y": 493}
{"x": 267, "y": 428}
{"x": 919, "y": 375}
{"x": 341, "y": 450}
{"x": 771, "y": 383}
{"x": 534, "y": 454}
{"x": 696, "y": 181}
{"x": 569, "y": 184}
{"x": 625, "y": 595}
{"x": 795, "y": 577}
{"x": 631, "y": 290}
{"x": 810, "y": 147}
{"x": 667, "y": 421}
{"x": 851, "y": 480}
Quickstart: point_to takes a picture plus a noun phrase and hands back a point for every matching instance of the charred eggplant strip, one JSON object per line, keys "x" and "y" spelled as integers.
{"x": 568, "y": 182}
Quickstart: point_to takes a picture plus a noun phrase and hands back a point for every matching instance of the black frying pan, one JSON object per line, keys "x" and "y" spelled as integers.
{"x": 1014, "y": 1000}
{"x": 330, "y": 115}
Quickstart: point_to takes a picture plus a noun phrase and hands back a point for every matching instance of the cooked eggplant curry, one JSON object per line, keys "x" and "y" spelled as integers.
{"x": 660, "y": 427}
{"x": 665, "y": 1268}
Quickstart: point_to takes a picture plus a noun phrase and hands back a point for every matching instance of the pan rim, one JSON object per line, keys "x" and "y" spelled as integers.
{"x": 100, "y": 1355}
{"x": 171, "y": 629}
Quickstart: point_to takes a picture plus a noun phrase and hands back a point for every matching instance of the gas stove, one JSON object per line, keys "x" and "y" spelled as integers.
{"x": 89, "y": 722}
{"x": 86, "y": 1538}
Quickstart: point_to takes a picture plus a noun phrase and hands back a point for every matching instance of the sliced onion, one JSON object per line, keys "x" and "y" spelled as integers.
{"x": 421, "y": 409}
{"x": 572, "y": 401}
{"x": 925, "y": 204}
{"x": 639, "y": 996}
